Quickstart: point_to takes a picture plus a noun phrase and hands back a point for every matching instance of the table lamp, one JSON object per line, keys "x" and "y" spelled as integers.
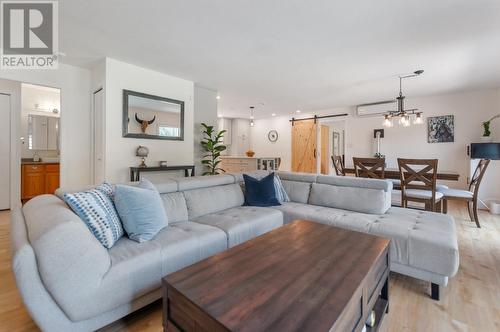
{"x": 142, "y": 152}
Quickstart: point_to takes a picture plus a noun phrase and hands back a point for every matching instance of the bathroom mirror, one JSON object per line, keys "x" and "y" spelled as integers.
{"x": 152, "y": 117}
{"x": 43, "y": 132}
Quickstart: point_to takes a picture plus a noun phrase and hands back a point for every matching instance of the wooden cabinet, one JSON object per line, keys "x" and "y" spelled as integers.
{"x": 38, "y": 179}
{"x": 237, "y": 165}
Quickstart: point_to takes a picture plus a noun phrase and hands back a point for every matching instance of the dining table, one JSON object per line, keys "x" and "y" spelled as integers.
{"x": 393, "y": 173}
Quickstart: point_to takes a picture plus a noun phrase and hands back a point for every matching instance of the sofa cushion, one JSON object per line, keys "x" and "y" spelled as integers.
{"x": 357, "y": 199}
{"x": 186, "y": 243}
{"x": 243, "y": 223}
{"x": 421, "y": 239}
{"x": 260, "y": 192}
{"x": 175, "y": 207}
{"x": 209, "y": 200}
{"x": 352, "y": 182}
{"x": 197, "y": 182}
{"x": 297, "y": 191}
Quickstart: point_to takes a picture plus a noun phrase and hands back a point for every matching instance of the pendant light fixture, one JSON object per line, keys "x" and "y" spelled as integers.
{"x": 251, "y": 116}
{"x": 405, "y": 116}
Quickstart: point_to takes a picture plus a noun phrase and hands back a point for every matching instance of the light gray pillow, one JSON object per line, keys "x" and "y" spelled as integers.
{"x": 141, "y": 210}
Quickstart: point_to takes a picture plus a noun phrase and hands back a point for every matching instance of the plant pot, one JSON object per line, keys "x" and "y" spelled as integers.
{"x": 486, "y": 139}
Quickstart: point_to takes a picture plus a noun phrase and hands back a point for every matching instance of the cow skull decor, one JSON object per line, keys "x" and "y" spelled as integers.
{"x": 144, "y": 124}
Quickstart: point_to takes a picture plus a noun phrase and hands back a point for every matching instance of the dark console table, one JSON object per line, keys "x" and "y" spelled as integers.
{"x": 135, "y": 172}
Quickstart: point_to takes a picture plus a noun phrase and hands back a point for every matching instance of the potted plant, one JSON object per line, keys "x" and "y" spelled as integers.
{"x": 212, "y": 144}
{"x": 486, "y": 127}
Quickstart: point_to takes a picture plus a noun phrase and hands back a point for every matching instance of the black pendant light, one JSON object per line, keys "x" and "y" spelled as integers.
{"x": 403, "y": 114}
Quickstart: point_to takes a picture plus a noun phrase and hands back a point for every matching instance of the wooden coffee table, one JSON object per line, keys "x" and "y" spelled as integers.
{"x": 304, "y": 276}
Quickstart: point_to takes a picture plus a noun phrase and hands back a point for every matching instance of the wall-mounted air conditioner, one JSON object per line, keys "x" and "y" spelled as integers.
{"x": 376, "y": 109}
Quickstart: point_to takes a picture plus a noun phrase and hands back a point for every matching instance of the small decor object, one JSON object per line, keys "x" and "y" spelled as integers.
{"x": 486, "y": 138}
{"x": 142, "y": 152}
{"x": 144, "y": 123}
{"x": 97, "y": 210}
{"x": 163, "y": 163}
{"x": 212, "y": 144}
{"x": 272, "y": 136}
{"x": 260, "y": 192}
{"x": 141, "y": 210}
{"x": 441, "y": 129}
{"x": 250, "y": 153}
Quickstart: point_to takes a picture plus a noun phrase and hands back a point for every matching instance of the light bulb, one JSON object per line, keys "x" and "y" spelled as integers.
{"x": 387, "y": 122}
{"x": 251, "y": 123}
{"x": 418, "y": 119}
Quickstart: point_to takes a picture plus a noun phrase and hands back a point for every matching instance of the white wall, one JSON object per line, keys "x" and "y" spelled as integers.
{"x": 120, "y": 151}
{"x": 74, "y": 84}
{"x": 282, "y": 148}
{"x": 205, "y": 111}
{"x": 469, "y": 108}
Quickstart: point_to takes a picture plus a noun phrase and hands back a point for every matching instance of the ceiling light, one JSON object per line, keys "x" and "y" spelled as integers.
{"x": 403, "y": 114}
{"x": 218, "y": 97}
{"x": 274, "y": 114}
{"x": 298, "y": 111}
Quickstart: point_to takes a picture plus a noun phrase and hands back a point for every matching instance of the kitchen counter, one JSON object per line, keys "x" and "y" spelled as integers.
{"x": 39, "y": 162}
{"x": 234, "y": 164}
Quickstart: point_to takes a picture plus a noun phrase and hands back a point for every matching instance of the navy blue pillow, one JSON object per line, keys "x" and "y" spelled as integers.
{"x": 260, "y": 192}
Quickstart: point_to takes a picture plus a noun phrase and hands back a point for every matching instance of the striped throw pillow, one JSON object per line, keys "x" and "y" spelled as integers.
{"x": 280, "y": 190}
{"x": 96, "y": 208}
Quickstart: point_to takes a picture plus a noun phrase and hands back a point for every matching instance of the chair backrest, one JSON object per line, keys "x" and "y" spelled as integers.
{"x": 476, "y": 179}
{"x": 338, "y": 165}
{"x": 369, "y": 167}
{"x": 418, "y": 174}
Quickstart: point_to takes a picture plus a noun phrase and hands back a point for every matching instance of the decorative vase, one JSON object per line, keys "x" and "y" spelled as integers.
{"x": 486, "y": 139}
{"x": 250, "y": 153}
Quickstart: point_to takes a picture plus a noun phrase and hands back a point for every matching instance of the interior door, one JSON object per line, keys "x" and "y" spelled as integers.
{"x": 325, "y": 149}
{"x": 5, "y": 152}
{"x": 98, "y": 141}
{"x": 304, "y": 146}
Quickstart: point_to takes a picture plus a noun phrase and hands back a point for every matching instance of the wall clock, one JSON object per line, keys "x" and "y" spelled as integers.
{"x": 272, "y": 136}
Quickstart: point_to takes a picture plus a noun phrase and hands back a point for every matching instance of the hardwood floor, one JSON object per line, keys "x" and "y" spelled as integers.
{"x": 471, "y": 302}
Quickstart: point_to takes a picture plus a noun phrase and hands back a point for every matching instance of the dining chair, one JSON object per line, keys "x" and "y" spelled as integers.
{"x": 418, "y": 183}
{"x": 369, "y": 167}
{"x": 338, "y": 165}
{"x": 470, "y": 196}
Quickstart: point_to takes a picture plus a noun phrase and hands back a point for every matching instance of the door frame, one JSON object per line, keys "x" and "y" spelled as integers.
{"x": 93, "y": 132}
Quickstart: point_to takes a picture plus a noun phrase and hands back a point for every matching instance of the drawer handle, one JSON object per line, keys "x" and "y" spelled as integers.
{"x": 34, "y": 167}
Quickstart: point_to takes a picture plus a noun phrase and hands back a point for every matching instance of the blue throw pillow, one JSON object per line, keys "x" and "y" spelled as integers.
{"x": 260, "y": 192}
{"x": 95, "y": 207}
{"x": 281, "y": 193}
{"x": 141, "y": 210}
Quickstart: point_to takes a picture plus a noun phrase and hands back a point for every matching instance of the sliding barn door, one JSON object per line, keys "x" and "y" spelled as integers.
{"x": 304, "y": 146}
{"x": 325, "y": 149}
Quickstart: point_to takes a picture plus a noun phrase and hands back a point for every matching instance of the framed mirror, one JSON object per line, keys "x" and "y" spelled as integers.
{"x": 152, "y": 117}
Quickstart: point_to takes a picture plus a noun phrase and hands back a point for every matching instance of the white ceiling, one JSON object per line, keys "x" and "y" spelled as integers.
{"x": 291, "y": 54}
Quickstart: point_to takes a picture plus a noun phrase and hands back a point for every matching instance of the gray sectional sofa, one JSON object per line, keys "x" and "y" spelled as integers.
{"x": 69, "y": 281}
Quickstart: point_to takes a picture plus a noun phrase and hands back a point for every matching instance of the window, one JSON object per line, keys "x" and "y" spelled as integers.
{"x": 168, "y": 131}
